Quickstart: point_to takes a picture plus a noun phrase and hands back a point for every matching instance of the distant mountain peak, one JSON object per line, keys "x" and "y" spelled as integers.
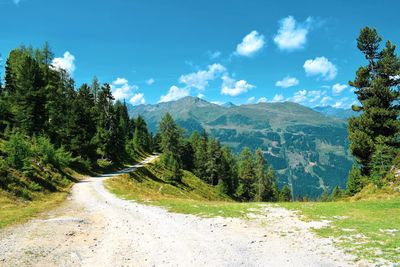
{"x": 228, "y": 105}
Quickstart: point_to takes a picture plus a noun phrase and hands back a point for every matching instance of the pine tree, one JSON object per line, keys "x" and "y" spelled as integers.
{"x": 199, "y": 144}
{"x": 355, "y": 181}
{"x": 82, "y": 124}
{"x": 95, "y": 87}
{"x": 170, "y": 135}
{"x": 246, "y": 175}
{"x": 30, "y": 98}
{"x": 229, "y": 171}
{"x": 260, "y": 176}
{"x": 106, "y": 124}
{"x": 272, "y": 191}
{"x": 376, "y": 89}
{"x": 285, "y": 194}
{"x": 141, "y": 137}
{"x": 214, "y": 163}
{"x": 336, "y": 193}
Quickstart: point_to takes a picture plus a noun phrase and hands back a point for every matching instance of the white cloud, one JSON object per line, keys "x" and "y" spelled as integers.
{"x": 150, "y": 81}
{"x": 277, "y": 98}
{"x": 287, "y": 82}
{"x": 200, "y": 96}
{"x": 299, "y": 96}
{"x": 251, "y": 44}
{"x": 174, "y": 93}
{"x": 320, "y": 66}
{"x": 251, "y": 99}
{"x": 314, "y": 96}
{"x": 234, "y": 88}
{"x": 67, "y": 63}
{"x": 121, "y": 89}
{"x": 137, "y": 99}
{"x": 338, "y": 88}
{"x": 325, "y": 101}
{"x": 200, "y": 79}
{"x": 342, "y": 103}
{"x": 262, "y": 100}
{"x": 120, "y": 81}
{"x": 292, "y": 35}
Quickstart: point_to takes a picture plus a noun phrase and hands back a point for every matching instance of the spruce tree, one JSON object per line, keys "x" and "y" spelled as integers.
{"x": 261, "y": 182}
{"x": 355, "y": 181}
{"x": 245, "y": 190}
{"x": 170, "y": 135}
{"x": 285, "y": 195}
{"x": 376, "y": 87}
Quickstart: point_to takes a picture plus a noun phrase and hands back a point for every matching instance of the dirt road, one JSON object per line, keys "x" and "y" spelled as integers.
{"x": 95, "y": 228}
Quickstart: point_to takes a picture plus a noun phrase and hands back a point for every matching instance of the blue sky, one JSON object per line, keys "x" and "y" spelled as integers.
{"x": 238, "y": 51}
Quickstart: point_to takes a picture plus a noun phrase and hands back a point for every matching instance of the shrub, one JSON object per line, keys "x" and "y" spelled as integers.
{"x": 18, "y": 151}
{"x": 46, "y": 151}
{"x": 104, "y": 163}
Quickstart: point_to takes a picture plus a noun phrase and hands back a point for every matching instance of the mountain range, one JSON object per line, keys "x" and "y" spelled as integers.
{"x": 307, "y": 149}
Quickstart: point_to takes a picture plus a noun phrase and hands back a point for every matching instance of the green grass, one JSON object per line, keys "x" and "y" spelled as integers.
{"x": 192, "y": 196}
{"x": 369, "y": 229}
{"x": 14, "y": 210}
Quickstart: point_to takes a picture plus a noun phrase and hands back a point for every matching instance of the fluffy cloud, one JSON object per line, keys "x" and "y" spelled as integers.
{"x": 200, "y": 96}
{"x": 251, "y": 44}
{"x": 200, "y": 79}
{"x": 325, "y": 101}
{"x": 299, "y": 96}
{"x": 120, "y": 81}
{"x": 338, "y": 88}
{"x": 287, "y": 82}
{"x": 67, "y": 63}
{"x": 232, "y": 87}
{"x": 277, "y": 98}
{"x": 262, "y": 100}
{"x": 292, "y": 35}
{"x": 320, "y": 66}
{"x": 174, "y": 93}
{"x": 251, "y": 99}
{"x": 309, "y": 98}
{"x": 150, "y": 81}
{"x": 137, "y": 99}
{"x": 121, "y": 89}
{"x": 342, "y": 103}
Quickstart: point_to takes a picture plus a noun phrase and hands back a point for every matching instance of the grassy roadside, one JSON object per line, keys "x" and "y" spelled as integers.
{"x": 13, "y": 210}
{"x": 369, "y": 229}
{"x": 16, "y": 210}
{"x": 192, "y": 196}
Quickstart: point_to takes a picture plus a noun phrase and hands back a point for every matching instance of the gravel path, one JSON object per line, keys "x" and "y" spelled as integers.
{"x": 95, "y": 228}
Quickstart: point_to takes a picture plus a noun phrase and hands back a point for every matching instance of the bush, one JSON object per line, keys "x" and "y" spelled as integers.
{"x": 104, "y": 163}
{"x": 46, "y": 151}
{"x": 18, "y": 151}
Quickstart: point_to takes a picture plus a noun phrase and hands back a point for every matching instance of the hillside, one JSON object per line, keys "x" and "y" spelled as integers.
{"x": 341, "y": 113}
{"x": 306, "y": 148}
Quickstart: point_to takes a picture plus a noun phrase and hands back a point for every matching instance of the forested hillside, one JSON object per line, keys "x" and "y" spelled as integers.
{"x": 307, "y": 149}
{"x": 46, "y": 125}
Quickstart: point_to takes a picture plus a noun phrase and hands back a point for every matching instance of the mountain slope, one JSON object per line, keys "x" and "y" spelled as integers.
{"x": 306, "y": 148}
{"x": 336, "y": 112}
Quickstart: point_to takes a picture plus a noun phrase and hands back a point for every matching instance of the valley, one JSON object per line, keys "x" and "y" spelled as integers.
{"x": 307, "y": 149}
